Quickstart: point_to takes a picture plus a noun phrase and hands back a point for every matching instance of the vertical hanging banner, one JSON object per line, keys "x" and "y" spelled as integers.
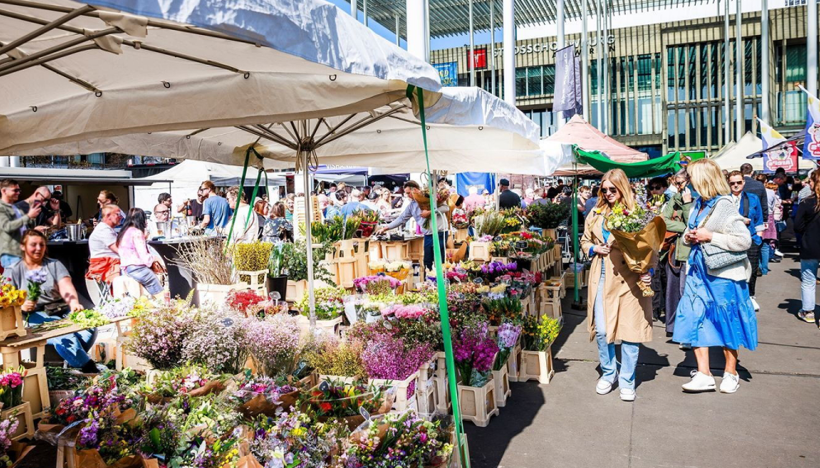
{"x": 480, "y": 180}
{"x": 811, "y": 147}
{"x": 448, "y": 73}
{"x": 567, "y": 82}
{"x": 478, "y": 59}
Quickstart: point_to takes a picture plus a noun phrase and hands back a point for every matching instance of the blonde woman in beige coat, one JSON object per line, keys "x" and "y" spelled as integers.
{"x": 616, "y": 308}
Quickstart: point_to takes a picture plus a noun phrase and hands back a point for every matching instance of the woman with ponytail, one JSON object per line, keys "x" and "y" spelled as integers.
{"x": 807, "y": 224}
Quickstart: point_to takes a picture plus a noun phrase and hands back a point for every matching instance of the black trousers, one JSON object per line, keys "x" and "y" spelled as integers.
{"x": 675, "y": 280}
{"x": 754, "y": 259}
{"x": 659, "y": 288}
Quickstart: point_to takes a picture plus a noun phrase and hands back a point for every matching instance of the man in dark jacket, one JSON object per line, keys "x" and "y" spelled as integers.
{"x": 754, "y": 187}
{"x": 507, "y": 198}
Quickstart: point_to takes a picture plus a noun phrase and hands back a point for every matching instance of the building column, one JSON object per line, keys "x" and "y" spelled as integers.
{"x": 492, "y": 47}
{"x": 364, "y": 13}
{"x": 559, "y": 22}
{"x": 354, "y": 7}
{"x": 740, "y": 55}
{"x": 509, "y": 51}
{"x": 472, "y": 43}
{"x": 606, "y": 89}
{"x": 398, "y": 31}
{"x": 415, "y": 29}
{"x": 727, "y": 90}
{"x": 585, "y": 62}
{"x": 764, "y": 57}
{"x": 811, "y": 48}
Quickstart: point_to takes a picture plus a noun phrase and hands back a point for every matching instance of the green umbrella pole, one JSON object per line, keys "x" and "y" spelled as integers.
{"x": 575, "y": 233}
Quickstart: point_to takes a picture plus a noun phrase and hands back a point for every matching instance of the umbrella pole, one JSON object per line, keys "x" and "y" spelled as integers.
{"x": 303, "y": 157}
{"x": 576, "y": 304}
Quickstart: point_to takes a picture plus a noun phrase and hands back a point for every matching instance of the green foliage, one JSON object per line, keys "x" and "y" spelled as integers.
{"x": 294, "y": 261}
{"x": 547, "y": 215}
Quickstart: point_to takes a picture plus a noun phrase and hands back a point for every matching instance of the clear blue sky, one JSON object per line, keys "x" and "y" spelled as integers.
{"x": 436, "y": 44}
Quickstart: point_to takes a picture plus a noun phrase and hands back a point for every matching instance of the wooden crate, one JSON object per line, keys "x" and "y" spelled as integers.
{"x": 427, "y": 394}
{"x": 443, "y": 399}
{"x": 478, "y": 404}
{"x": 481, "y": 251}
{"x": 25, "y": 428}
{"x": 395, "y": 251}
{"x": 502, "y": 386}
{"x": 346, "y": 271}
{"x": 255, "y": 281}
{"x": 536, "y": 365}
{"x": 514, "y": 364}
{"x": 415, "y": 249}
{"x": 35, "y": 391}
{"x": 461, "y": 235}
{"x": 11, "y": 322}
{"x": 551, "y": 308}
{"x": 295, "y": 290}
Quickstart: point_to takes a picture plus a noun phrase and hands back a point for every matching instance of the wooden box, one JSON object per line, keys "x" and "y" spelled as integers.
{"x": 502, "y": 386}
{"x": 295, "y": 291}
{"x": 481, "y": 251}
{"x": 345, "y": 271}
{"x": 395, "y": 251}
{"x": 514, "y": 364}
{"x": 11, "y": 322}
{"x": 443, "y": 399}
{"x": 461, "y": 235}
{"x": 536, "y": 365}
{"x": 35, "y": 391}
{"x": 415, "y": 249}
{"x": 25, "y": 428}
{"x": 478, "y": 404}
{"x": 255, "y": 281}
{"x": 551, "y": 308}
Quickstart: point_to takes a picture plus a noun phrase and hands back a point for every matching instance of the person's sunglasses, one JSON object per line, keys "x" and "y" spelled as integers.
{"x": 655, "y": 187}
{"x": 736, "y": 183}
{"x": 611, "y": 190}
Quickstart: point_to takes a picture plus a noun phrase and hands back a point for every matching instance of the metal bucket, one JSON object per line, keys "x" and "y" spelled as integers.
{"x": 74, "y": 232}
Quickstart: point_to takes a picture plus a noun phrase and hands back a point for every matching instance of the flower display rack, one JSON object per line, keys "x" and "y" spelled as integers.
{"x": 217, "y": 293}
{"x": 536, "y": 365}
{"x": 255, "y": 281}
{"x": 514, "y": 364}
{"x": 11, "y": 322}
{"x": 415, "y": 249}
{"x": 35, "y": 383}
{"x": 558, "y": 262}
{"x": 502, "y": 386}
{"x": 402, "y": 401}
{"x": 427, "y": 394}
{"x": 25, "y": 428}
{"x": 295, "y": 290}
{"x": 478, "y": 404}
{"x": 461, "y": 235}
{"x": 480, "y": 251}
{"x": 395, "y": 250}
{"x": 443, "y": 399}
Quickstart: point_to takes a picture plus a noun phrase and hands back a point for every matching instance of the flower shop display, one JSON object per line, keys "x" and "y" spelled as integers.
{"x": 398, "y": 269}
{"x": 250, "y": 259}
{"x": 639, "y": 233}
{"x": 369, "y": 220}
{"x": 387, "y": 357}
{"x": 159, "y": 337}
{"x": 376, "y": 284}
{"x": 293, "y": 439}
{"x": 257, "y": 395}
{"x": 514, "y": 219}
{"x": 248, "y": 302}
{"x": 547, "y": 216}
{"x": 11, "y": 452}
{"x": 538, "y": 335}
{"x": 294, "y": 266}
{"x": 474, "y": 352}
{"x": 277, "y": 279}
{"x": 11, "y": 387}
{"x": 489, "y": 223}
{"x": 334, "y": 357}
{"x": 346, "y": 401}
{"x": 11, "y": 317}
{"x": 328, "y": 303}
{"x": 505, "y": 308}
{"x": 189, "y": 380}
{"x": 218, "y": 339}
{"x": 35, "y": 279}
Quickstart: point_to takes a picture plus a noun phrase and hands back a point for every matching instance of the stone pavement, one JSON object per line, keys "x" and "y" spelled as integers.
{"x": 772, "y": 421}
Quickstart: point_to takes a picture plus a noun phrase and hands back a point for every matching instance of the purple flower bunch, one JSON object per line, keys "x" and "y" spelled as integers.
{"x": 35, "y": 279}
{"x": 388, "y": 357}
{"x": 376, "y": 284}
{"x": 266, "y": 386}
{"x": 159, "y": 337}
{"x": 493, "y": 270}
{"x": 474, "y": 350}
{"x": 118, "y": 308}
{"x": 508, "y": 334}
{"x": 7, "y": 428}
{"x": 275, "y": 344}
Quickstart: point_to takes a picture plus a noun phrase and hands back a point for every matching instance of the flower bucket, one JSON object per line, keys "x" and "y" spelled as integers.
{"x": 502, "y": 386}
{"x": 278, "y": 284}
{"x": 478, "y": 403}
{"x": 536, "y": 365}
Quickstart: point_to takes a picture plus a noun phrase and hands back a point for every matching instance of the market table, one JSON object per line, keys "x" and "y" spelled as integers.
{"x": 35, "y": 384}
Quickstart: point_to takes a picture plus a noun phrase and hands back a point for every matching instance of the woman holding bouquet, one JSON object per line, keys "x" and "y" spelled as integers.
{"x": 617, "y": 308}
{"x": 715, "y": 309}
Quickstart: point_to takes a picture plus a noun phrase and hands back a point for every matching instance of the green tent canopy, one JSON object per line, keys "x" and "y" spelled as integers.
{"x": 649, "y": 168}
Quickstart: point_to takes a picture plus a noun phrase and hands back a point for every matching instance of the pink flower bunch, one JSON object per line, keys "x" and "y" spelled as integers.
{"x": 387, "y": 357}
{"x": 370, "y": 284}
{"x": 401, "y": 311}
{"x": 508, "y": 335}
{"x": 7, "y": 428}
{"x": 474, "y": 350}
{"x": 275, "y": 344}
{"x": 11, "y": 379}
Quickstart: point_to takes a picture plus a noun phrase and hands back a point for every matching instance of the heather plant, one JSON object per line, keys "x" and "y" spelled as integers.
{"x": 159, "y": 337}
{"x": 274, "y": 344}
{"x": 218, "y": 340}
{"x": 386, "y": 356}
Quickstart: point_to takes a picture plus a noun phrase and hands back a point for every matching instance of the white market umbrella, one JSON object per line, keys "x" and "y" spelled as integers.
{"x": 72, "y": 71}
{"x": 734, "y": 154}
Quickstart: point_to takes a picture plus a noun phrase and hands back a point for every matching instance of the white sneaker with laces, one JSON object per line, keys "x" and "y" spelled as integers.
{"x": 700, "y": 383}
{"x": 778, "y": 253}
{"x": 627, "y": 394}
{"x": 730, "y": 383}
{"x": 755, "y": 304}
{"x": 604, "y": 386}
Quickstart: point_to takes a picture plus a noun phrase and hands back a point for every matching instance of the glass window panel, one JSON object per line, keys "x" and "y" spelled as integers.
{"x": 759, "y": 83}
{"x": 534, "y": 84}
{"x": 549, "y": 79}
{"x": 704, "y": 126}
{"x": 593, "y": 77}
{"x": 693, "y": 83}
{"x": 645, "y": 116}
{"x": 670, "y": 77}
{"x": 795, "y": 107}
{"x": 796, "y": 63}
{"x": 644, "y": 73}
{"x": 747, "y": 71}
{"x": 682, "y": 128}
{"x": 671, "y": 135}
{"x": 631, "y": 117}
{"x": 520, "y": 81}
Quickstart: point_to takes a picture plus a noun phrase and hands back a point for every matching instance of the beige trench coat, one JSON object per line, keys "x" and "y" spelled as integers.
{"x": 628, "y": 313}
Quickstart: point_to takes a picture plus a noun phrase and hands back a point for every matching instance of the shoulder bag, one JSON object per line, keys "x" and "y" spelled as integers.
{"x": 717, "y": 258}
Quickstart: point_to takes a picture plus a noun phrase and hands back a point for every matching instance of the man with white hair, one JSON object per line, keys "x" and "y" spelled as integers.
{"x": 354, "y": 204}
{"x": 473, "y": 200}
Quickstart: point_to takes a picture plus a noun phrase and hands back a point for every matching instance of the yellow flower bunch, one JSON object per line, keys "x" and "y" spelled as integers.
{"x": 252, "y": 256}
{"x": 11, "y": 296}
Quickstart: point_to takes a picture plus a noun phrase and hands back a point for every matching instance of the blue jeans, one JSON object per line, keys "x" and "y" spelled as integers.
{"x": 74, "y": 347}
{"x": 808, "y": 283}
{"x": 606, "y": 351}
{"x": 766, "y": 252}
{"x": 429, "y": 253}
{"x": 7, "y": 260}
{"x": 144, "y": 276}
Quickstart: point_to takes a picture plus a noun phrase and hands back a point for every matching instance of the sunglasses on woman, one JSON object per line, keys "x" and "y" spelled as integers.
{"x": 611, "y": 190}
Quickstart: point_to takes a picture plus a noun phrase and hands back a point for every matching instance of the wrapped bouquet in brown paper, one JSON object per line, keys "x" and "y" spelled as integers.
{"x": 263, "y": 395}
{"x": 639, "y": 233}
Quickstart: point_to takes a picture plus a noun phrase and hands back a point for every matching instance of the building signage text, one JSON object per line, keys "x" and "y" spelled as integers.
{"x": 550, "y": 46}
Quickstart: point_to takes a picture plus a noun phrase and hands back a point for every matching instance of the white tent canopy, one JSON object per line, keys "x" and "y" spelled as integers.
{"x": 734, "y": 154}
{"x": 70, "y": 71}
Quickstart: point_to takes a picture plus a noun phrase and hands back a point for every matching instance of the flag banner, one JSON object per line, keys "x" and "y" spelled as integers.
{"x": 784, "y": 156}
{"x": 811, "y": 146}
{"x": 565, "y": 76}
{"x": 480, "y": 180}
{"x": 579, "y": 90}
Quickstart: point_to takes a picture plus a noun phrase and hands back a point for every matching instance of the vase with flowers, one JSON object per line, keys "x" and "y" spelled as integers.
{"x": 474, "y": 351}
{"x": 11, "y": 316}
{"x": 11, "y": 387}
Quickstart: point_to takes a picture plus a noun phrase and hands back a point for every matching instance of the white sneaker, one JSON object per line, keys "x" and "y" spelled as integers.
{"x": 730, "y": 383}
{"x": 627, "y": 394}
{"x": 755, "y": 304}
{"x": 700, "y": 383}
{"x": 604, "y": 386}
{"x": 778, "y": 253}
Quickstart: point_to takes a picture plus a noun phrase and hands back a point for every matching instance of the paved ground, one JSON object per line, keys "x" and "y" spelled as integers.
{"x": 773, "y": 420}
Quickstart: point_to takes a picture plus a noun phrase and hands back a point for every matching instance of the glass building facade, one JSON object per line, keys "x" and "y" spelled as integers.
{"x": 666, "y": 81}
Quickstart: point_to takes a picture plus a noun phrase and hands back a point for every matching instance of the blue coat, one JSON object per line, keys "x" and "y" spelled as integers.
{"x": 751, "y": 208}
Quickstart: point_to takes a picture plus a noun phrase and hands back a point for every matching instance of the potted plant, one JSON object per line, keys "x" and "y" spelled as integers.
{"x": 11, "y": 317}
{"x": 538, "y": 335}
{"x": 369, "y": 219}
{"x": 250, "y": 259}
{"x": 547, "y": 216}
{"x": 475, "y": 352}
{"x": 507, "y": 340}
{"x": 277, "y": 280}
{"x": 294, "y": 265}
{"x": 211, "y": 265}
{"x": 328, "y": 305}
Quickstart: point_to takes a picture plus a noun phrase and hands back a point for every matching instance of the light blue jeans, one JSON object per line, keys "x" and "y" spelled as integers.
{"x": 808, "y": 283}
{"x": 766, "y": 252}
{"x": 74, "y": 347}
{"x": 606, "y": 351}
{"x": 7, "y": 260}
{"x": 146, "y": 277}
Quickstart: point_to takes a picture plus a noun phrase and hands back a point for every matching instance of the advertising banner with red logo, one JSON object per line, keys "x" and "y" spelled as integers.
{"x": 784, "y": 156}
{"x": 478, "y": 59}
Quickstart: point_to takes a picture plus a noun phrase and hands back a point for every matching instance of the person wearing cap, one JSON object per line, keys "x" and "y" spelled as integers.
{"x": 507, "y": 199}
